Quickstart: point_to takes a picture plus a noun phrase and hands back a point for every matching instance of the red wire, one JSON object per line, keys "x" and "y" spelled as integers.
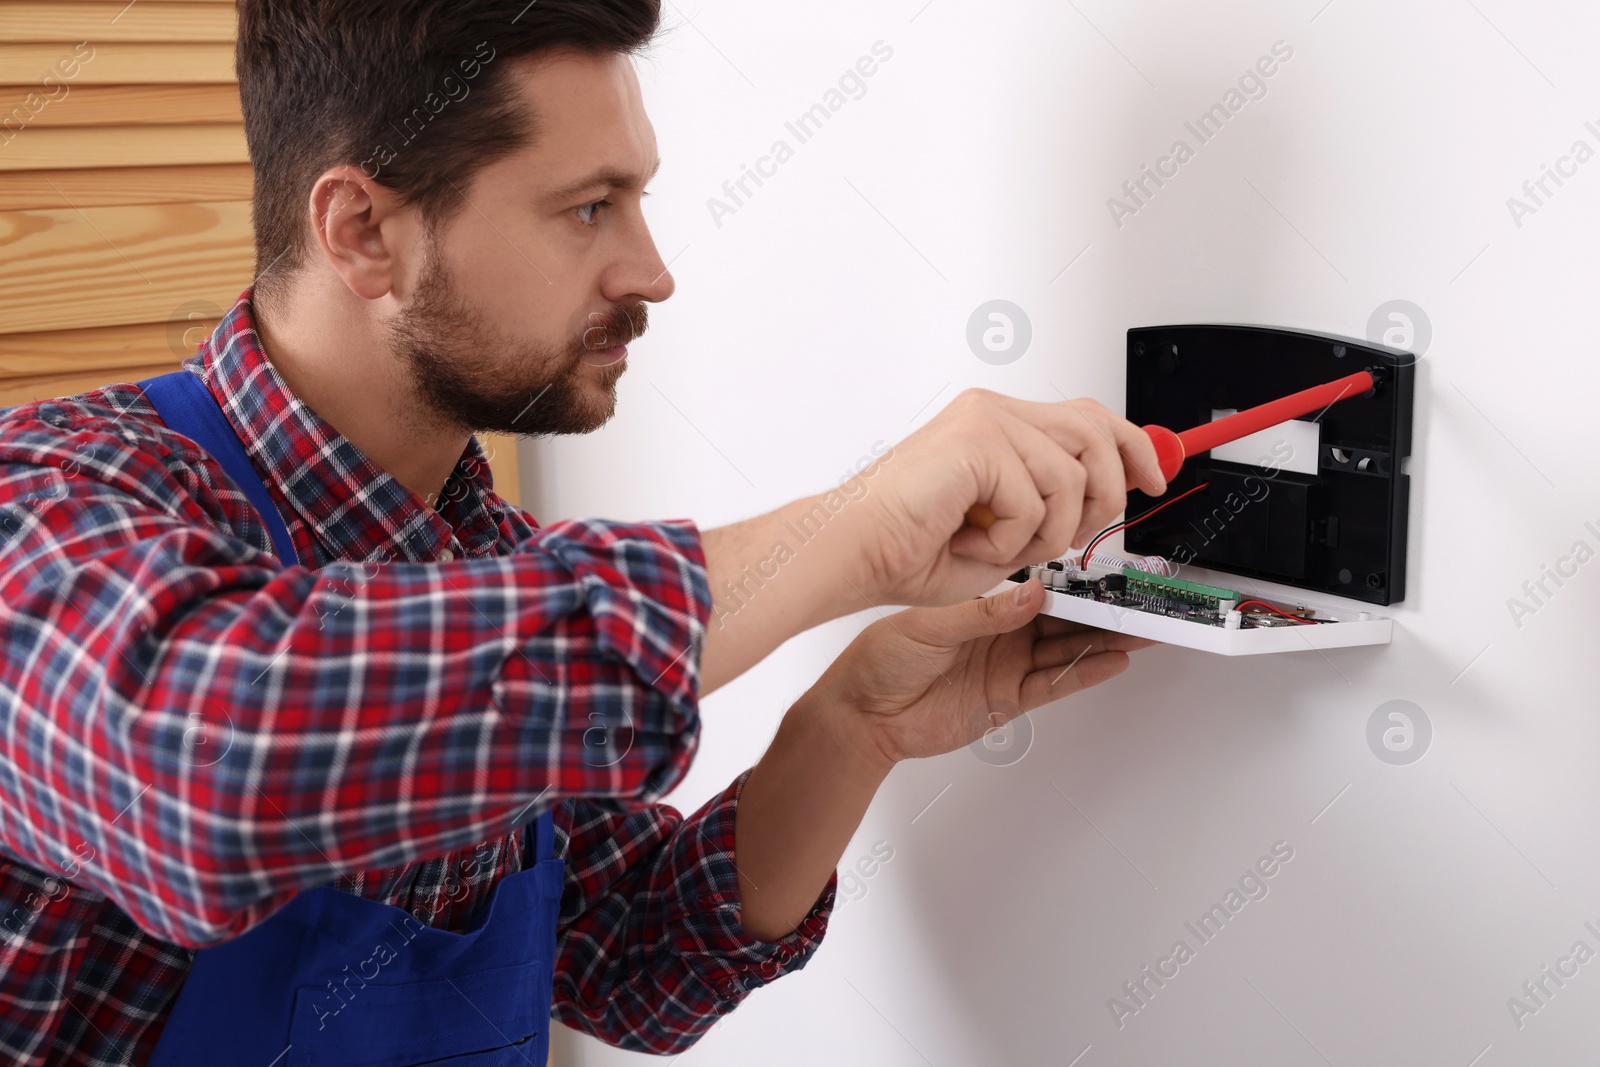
{"x": 1083, "y": 564}
{"x": 1285, "y": 614}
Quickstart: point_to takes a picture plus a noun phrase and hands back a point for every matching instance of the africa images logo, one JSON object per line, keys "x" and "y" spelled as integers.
{"x": 1252, "y": 85}
{"x": 1252, "y": 885}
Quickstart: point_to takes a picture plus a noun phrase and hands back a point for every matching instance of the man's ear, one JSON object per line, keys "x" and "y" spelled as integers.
{"x": 362, "y": 229}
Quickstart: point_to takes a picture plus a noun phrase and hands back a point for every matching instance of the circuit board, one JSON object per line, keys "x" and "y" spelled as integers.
{"x": 1132, "y": 589}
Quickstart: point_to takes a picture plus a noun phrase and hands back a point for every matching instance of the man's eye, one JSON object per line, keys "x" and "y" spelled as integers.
{"x": 587, "y": 212}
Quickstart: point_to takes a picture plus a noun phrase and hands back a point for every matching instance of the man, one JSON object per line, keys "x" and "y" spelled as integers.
{"x": 252, "y": 709}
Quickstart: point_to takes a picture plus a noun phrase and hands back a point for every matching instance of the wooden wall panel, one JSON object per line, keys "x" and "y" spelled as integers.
{"x": 27, "y": 190}
{"x": 156, "y": 21}
{"x": 52, "y": 148}
{"x": 118, "y": 63}
{"x": 65, "y": 382}
{"x": 135, "y": 263}
{"x": 108, "y": 350}
{"x": 138, "y": 105}
{"x": 502, "y": 450}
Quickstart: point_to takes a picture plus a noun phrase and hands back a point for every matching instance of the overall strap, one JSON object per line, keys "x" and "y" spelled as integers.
{"x": 187, "y": 406}
{"x": 248, "y": 997}
{"x": 544, "y": 832}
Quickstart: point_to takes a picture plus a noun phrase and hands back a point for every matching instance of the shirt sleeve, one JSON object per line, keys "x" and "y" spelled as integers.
{"x": 206, "y": 733}
{"x": 651, "y": 948}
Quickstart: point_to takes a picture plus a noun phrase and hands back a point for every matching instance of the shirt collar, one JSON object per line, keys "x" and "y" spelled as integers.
{"x": 354, "y": 509}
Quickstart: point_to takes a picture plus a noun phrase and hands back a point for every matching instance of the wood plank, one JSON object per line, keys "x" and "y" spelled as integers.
{"x": 25, "y": 190}
{"x": 119, "y": 63}
{"x": 122, "y": 105}
{"x": 104, "y": 20}
{"x": 502, "y": 451}
{"x": 107, "y": 349}
{"x": 22, "y": 390}
{"x": 133, "y": 146}
{"x": 61, "y": 269}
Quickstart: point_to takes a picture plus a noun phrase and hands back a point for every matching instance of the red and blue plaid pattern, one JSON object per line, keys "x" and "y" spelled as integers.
{"x": 190, "y": 734}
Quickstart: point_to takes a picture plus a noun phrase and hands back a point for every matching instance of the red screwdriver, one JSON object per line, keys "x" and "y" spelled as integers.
{"x": 1173, "y": 448}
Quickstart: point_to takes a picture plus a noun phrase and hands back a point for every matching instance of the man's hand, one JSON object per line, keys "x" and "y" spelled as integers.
{"x": 894, "y": 532}
{"x": 918, "y": 683}
{"x": 931, "y": 680}
{"x": 1052, "y": 474}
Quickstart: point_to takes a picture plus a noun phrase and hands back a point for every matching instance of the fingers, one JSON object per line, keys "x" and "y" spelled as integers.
{"x": 1059, "y": 642}
{"x": 1037, "y": 500}
{"x": 1007, "y": 610}
{"x": 1052, "y": 474}
{"x": 1018, "y": 504}
{"x": 1066, "y": 663}
{"x": 1062, "y": 481}
{"x": 1105, "y": 492}
{"x": 1050, "y": 626}
{"x": 1064, "y": 649}
{"x": 1139, "y": 459}
{"x": 1114, "y": 452}
{"x": 1053, "y": 683}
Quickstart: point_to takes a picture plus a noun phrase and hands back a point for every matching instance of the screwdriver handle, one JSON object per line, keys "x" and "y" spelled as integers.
{"x": 1173, "y": 448}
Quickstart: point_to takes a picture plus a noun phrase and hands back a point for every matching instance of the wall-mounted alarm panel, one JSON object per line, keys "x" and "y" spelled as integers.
{"x": 1316, "y": 503}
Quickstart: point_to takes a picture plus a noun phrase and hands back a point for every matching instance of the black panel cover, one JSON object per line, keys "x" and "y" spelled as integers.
{"x": 1342, "y": 531}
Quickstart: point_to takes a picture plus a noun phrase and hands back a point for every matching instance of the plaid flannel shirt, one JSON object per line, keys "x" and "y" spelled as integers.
{"x": 191, "y": 733}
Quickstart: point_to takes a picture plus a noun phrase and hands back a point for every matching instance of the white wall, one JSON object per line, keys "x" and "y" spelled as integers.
{"x": 827, "y": 312}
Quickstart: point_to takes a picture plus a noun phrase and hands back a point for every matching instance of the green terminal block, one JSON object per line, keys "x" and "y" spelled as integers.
{"x": 1154, "y": 584}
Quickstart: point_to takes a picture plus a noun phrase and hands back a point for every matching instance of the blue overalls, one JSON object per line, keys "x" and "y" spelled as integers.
{"x": 333, "y": 979}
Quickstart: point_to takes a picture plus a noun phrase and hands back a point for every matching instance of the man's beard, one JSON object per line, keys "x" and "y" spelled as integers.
{"x": 467, "y": 374}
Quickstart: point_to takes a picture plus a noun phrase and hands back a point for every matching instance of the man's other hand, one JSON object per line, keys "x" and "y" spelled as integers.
{"x": 926, "y": 681}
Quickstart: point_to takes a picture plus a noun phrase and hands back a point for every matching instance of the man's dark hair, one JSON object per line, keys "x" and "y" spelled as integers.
{"x": 415, "y": 92}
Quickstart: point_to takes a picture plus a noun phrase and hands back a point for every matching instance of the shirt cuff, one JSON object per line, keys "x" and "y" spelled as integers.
{"x": 708, "y": 929}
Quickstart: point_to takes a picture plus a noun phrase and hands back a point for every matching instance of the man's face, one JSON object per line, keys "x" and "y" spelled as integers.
{"x": 527, "y": 296}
